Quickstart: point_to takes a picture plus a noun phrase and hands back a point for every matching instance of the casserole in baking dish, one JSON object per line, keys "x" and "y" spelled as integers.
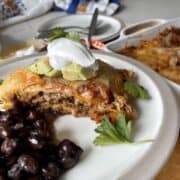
{"x": 157, "y": 47}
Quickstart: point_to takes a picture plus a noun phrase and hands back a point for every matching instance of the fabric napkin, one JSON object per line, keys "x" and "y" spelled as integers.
{"x": 14, "y": 11}
{"x": 108, "y": 7}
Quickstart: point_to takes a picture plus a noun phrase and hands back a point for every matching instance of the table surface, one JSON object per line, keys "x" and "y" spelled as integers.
{"x": 171, "y": 170}
{"x": 131, "y": 11}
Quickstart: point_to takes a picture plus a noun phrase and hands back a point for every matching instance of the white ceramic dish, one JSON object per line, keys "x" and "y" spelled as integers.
{"x": 130, "y": 37}
{"x": 158, "y": 120}
{"x": 109, "y": 28}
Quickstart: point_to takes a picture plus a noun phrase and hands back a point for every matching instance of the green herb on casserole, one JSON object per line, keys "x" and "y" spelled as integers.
{"x": 136, "y": 90}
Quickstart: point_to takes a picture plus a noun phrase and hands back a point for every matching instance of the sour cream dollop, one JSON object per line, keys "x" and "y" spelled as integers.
{"x": 25, "y": 52}
{"x": 62, "y": 52}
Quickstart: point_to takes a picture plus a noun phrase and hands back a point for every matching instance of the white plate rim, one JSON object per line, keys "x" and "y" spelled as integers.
{"x": 150, "y": 168}
{"x": 105, "y": 39}
{"x": 153, "y": 160}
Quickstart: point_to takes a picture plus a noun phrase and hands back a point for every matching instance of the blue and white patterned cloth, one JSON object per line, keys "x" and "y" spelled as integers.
{"x": 22, "y": 10}
{"x": 7, "y": 12}
{"x": 27, "y": 9}
{"x": 108, "y": 7}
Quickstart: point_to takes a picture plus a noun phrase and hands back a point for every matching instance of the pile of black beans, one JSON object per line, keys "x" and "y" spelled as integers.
{"x": 27, "y": 150}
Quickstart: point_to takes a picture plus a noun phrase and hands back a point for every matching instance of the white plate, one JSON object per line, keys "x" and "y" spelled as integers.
{"x": 109, "y": 28}
{"x": 158, "y": 120}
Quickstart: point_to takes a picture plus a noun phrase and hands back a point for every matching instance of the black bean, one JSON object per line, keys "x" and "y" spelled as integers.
{"x": 22, "y": 133}
{"x": 32, "y": 116}
{"x": 2, "y": 177}
{"x": 5, "y": 130}
{"x": 8, "y": 146}
{"x": 50, "y": 151}
{"x": 36, "y": 142}
{"x": 69, "y": 153}
{"x": 18, "y": 126}
{"x": 34, "y": 132}
{"x": 28, "y": 163}
{"x": 4, "y": 116}
{"x": 32, "y": 155}
{"x": 35, "y": 177}
{"x": 11, "y": 160}
{"x": 23, "y": 146}
{"x": 17, "y": 119}
{"x": 14, "y": 172}
{"x": 2, "y": 160}
{"x": 2, "y": 170}
{"x": 41, "y": 128}
{"x": 51, "y": 171}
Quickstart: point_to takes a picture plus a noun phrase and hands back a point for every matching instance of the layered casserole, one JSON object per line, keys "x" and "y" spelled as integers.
{"x": 161, "y": 53}
{"x": 101, "y": 95}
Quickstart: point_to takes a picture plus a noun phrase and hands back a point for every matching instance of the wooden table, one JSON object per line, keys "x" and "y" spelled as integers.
{"x": 171, "y": 170}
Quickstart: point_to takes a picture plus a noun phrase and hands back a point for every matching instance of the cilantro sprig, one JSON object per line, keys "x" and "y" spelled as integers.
{"x": 136, "y": 90}
{"x": 1, "y": 81}
{"x": 73, "y": 36}
{"x": 117, "y": 133}
{"x": 59, "y": 32}
{"x": 55, "y": 33}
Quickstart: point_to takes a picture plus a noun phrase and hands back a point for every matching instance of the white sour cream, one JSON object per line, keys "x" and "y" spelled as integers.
{"x": 62, "y": 52}
{"x": 25, "y": 52}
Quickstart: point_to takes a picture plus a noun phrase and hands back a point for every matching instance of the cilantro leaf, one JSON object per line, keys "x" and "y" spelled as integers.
{"x": 56, "y": 33}
{"x": 136, "y": 90}
{"x": 123, "y": 127}
{"x": 73, "y": 36}
{"x": 117, "y": 133}
{"x": 1, "y": 81}
{"x": 59, "y": 32}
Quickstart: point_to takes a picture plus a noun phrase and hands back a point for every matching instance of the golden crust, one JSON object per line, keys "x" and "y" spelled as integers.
{"x": 161, "y": 53}
{"x": 95, "y": 97}
{"x": 18, "y": 81}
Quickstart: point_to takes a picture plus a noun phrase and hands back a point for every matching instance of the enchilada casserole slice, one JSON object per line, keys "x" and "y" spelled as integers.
{"x": 102, "y": 95}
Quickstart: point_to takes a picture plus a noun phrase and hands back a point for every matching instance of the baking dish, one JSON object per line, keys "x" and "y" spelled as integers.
{"x": 144, "y": 30}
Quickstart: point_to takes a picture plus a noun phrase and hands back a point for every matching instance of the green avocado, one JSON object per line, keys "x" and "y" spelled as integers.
{"x": 75, "y": 72}
{"x": 53, "y": 73}
{"x": 42, "y": 67}
{"x": 71, "y": 72}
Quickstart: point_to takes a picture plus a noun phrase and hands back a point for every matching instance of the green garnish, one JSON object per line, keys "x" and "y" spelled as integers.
{"x": 73, "y": 36}
{"x": 117, "y": 133}
{"x": 56, "y": 33}
{"x": 136, "y": 90}
{"x": 59, "y": 32}
{"x": 1, "y": 81}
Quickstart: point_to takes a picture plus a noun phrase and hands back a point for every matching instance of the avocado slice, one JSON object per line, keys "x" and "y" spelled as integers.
{"x": 71, "y": 72}
{"x": 75, "y": 72}
{"x": 53, "y": 73}
{"x": 41, "y": 66}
